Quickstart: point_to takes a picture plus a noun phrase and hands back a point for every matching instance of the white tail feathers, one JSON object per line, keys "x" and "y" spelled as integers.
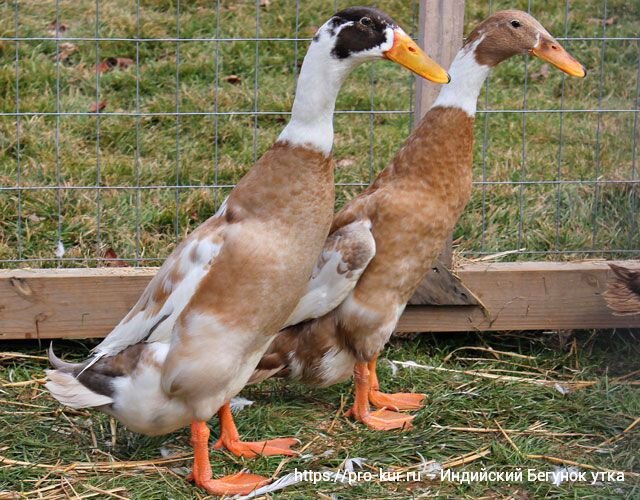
{"x": 70, "y": 392}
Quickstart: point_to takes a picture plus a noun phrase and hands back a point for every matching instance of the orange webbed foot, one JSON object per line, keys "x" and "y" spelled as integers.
{"x": 230, "y": 439}
{"x": 251, "y": 449}
{"x": 382, "y": 420}
{"x": 398, "y": 401}
{"x": 241, "y": 483}
{"x": 236, "y": 484}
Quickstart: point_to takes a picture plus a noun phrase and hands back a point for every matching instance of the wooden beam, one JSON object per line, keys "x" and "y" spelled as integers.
{"x": 527, "y": 296}
{"x": 440, "y": 35}
{"x": 84, "y": 303}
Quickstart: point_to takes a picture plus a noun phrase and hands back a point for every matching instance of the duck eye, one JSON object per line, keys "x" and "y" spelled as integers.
{"x": 515, "y": 23}
{"x": 365, "y": 21}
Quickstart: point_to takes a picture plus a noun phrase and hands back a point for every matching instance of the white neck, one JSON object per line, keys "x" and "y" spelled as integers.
{"x": 320, "y": 79}
{"x": 467, "y": 77}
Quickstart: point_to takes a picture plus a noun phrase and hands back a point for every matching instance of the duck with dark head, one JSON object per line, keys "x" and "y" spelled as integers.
{"x": 194, "y": 337}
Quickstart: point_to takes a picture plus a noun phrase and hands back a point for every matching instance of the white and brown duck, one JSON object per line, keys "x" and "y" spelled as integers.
{"x": 193, "y": 339}
{"x": 383, "y": 242}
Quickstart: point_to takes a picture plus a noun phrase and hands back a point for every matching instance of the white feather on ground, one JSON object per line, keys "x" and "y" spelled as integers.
{"x": 291, "y": 478}
{"x": 560, "y": 474}
{"x": 348, "y": 464}
{"x": 59, "y": 251}
{"x": 239, "y": 403}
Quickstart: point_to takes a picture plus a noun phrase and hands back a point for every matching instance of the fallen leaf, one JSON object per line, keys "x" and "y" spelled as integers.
{"x": 233, "y": 79}
{"x": 607, "y": 22}
{"x": 111, "y": 63}
{"x": 97, "y": 107}
{"x": 111, "y": 254}
{"x": 66, "y": 49}
{"x": 345, "y": 162}
{"x": 51, "y": 28}
{"x": 541, "y": 74}
{"x": 106, "y": 65}
{"x": 123, "y": 62}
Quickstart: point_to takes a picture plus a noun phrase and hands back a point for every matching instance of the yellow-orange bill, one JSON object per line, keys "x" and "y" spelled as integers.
{"x": 552, "y": 52}
{"x": 407, "y": 53}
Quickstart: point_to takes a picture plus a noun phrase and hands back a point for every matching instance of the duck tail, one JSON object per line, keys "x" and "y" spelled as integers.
{"x": 60, "y": 365}
{"x": 67, "y": 389}
{"x": 623, "y": 291}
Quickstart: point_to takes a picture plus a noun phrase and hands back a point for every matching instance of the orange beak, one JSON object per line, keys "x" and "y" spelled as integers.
{"x": 406, "y": 53}
{"x": 552, "y": 52}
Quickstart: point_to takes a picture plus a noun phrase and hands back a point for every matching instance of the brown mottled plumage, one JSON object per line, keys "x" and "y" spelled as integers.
{"x": 412, "y": 206}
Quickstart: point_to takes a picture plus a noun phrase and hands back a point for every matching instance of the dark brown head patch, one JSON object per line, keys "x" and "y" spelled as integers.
{"x": 366, "y": 30}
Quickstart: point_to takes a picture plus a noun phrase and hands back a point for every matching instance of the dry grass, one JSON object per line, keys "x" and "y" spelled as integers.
{"x": 576, "y": 406}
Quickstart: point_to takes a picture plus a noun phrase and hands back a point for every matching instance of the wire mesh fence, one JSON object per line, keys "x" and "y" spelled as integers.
{"x": 124, "y": 125}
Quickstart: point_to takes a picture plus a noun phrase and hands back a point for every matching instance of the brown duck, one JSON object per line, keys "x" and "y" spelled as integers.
{"x": 383, "y": 242}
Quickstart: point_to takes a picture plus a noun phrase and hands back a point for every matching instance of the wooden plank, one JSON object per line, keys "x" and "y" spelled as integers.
{"x": 69, "y": 303}
{"x": 441, "y": 30}
{"x": 84, "y": 303}
{"x": 441, "y": 34}
{"x": 527, "y": 296}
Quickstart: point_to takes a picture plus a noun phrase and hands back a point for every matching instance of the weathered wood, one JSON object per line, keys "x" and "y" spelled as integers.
{"x": 69, "y": 303}
{"x": 83, "y": 303}
{"x": 441, "y": 32}
{"x": 527, "y": 296}
{"x": 441, "y": 287}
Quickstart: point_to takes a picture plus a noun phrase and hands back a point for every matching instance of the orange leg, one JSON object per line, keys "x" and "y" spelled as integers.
{"x": 379, "y": 420}
{"x": 236, "y": 484}
{"x": 398, "y": 401}
{"x": 230, "y": 439}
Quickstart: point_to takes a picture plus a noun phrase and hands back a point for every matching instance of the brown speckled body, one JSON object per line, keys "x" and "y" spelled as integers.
{"x": 289, "y": 232}
{"x": 413, "y": 206}
{"x": 261, "y": 245}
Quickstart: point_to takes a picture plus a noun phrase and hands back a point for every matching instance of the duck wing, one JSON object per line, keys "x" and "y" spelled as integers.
{"x": 345, "y": 256}
{"x": 153, "y": 317}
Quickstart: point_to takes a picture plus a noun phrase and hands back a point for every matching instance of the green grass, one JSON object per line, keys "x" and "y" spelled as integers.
{"x": 567, "y": 217}
{"x": 50, "y": 434}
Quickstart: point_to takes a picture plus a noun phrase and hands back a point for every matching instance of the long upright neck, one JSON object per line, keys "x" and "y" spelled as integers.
{"x": 467, "y": 77}
{"x": 320, "y": 79}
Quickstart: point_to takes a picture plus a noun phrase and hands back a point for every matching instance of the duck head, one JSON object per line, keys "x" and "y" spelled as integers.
{"x": 360, "y": 34}
{"x": 511, "y": 32}
{"x": 349, "y": 38}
